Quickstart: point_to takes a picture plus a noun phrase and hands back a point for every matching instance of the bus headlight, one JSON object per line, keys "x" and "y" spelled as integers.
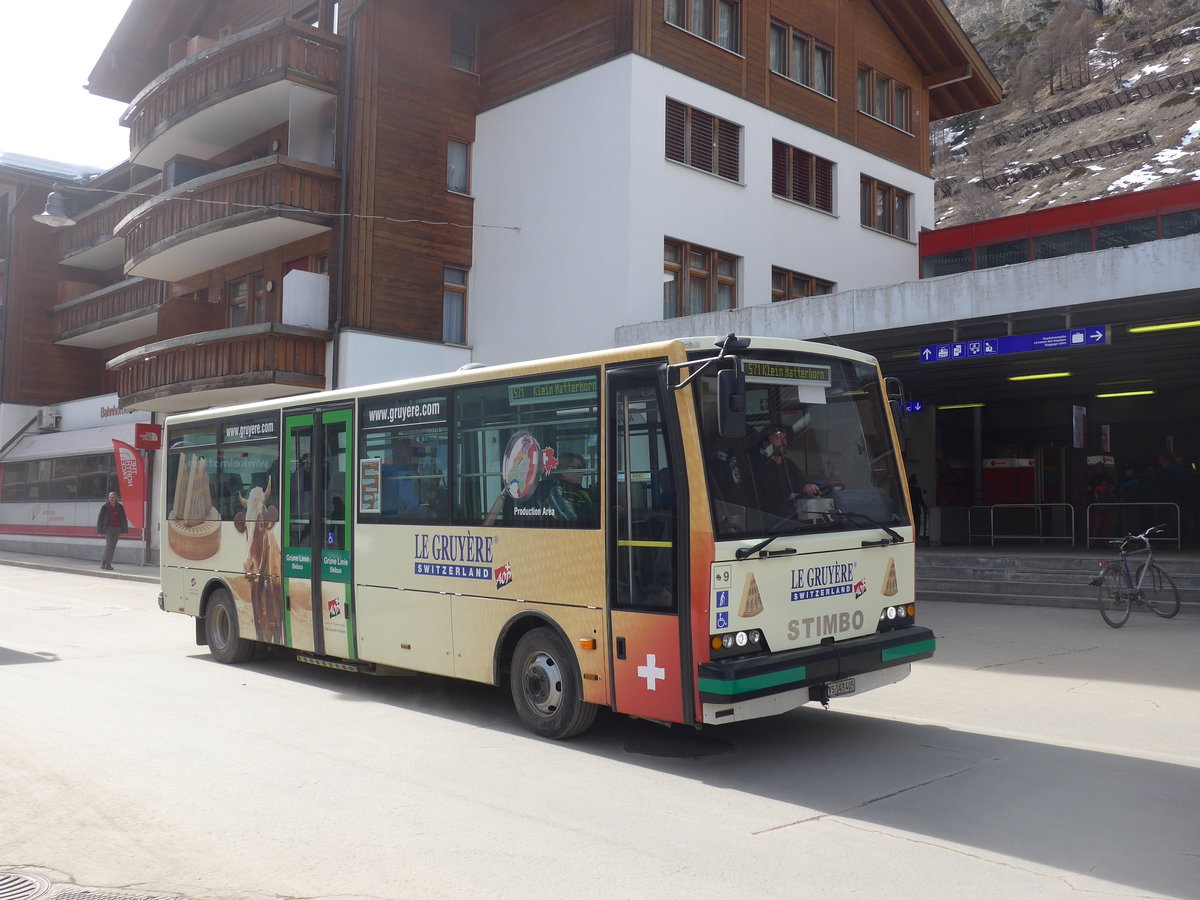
{"x": 738, "y": 643}
{"x": 899, "y": 616}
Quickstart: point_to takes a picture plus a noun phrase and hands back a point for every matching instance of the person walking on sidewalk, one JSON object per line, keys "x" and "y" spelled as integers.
{"x": 112, "y": 523}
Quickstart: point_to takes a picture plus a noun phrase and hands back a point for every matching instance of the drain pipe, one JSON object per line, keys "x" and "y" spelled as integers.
{"x": 347, "y": 105}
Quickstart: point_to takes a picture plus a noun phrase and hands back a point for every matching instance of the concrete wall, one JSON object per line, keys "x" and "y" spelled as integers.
{"x": 1156, "y": 267}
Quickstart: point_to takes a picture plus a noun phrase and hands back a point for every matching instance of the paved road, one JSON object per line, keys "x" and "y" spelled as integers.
{"x": 1040, "y": 753}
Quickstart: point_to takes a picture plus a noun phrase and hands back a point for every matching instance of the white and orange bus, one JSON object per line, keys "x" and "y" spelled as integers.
{"x": 697, "y": 531}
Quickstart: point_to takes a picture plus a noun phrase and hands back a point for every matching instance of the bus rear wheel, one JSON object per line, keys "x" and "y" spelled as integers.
{"x": 546, "y": 688}
{"x": 221, "y": 630}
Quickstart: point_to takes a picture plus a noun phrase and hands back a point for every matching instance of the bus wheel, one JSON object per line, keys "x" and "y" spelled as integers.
{"x": 221, "y": 630}
{"x": 546, "y": 688}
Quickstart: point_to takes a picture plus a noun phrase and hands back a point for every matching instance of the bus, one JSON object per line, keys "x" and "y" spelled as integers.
{"x": 698, "y": 531}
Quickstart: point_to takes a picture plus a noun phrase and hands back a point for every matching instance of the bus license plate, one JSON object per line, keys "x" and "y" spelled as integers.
{"x": 840, "y": 688}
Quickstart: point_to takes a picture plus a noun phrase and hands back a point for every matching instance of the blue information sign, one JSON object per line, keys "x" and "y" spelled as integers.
{"x": 914, "y": 406}
{"x": 1067, "y": 339}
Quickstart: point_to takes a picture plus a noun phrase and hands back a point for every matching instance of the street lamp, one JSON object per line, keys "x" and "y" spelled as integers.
{"x": 55, "y": 214}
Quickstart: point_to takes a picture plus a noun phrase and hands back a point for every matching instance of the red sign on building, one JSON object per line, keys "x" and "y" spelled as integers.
{"x": 147, "y": 437}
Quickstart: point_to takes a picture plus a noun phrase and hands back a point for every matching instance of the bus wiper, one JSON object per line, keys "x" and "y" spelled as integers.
{"x": 743, "y": 552}
{"x": 863, "y": 517}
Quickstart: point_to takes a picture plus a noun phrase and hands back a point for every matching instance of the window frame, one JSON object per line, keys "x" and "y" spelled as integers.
{"x": 809, "y": 285}
{"x": 815, "y": 63}
{"x": 682, "y": 14}
{"x": 455, "y": 188}
{"x": 702, "y": 141}
{"x": 450, "y": 290}
{"x": 462, "y": 45}
{"x": 253, "y": 305}
{"x": 714, "y": 272}
{"x": 819, "y": 190}
{"x": 874, "y": 88}
{"x": 896, "y": 212}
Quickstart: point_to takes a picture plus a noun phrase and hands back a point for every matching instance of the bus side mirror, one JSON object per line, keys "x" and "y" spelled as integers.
{"x": 731, "y": 403}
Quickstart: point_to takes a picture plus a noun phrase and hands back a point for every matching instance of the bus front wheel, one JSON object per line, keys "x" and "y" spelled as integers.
{"x": 546, "y": 688}
{"x": 221, "y": 629}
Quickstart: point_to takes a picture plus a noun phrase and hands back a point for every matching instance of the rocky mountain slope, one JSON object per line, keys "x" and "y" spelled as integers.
{"x": 1101, "y": 97}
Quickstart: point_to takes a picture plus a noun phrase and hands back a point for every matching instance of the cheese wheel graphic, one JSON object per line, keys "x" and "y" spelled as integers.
{"x": 890, "y": 588}
{"x": 751, "y": 598}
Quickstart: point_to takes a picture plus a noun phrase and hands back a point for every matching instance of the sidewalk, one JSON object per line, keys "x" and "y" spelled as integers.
{"x": 127, "y": 571}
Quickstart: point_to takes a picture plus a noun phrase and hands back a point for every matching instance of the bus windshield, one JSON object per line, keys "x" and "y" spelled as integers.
{"x": 817, "y": 456}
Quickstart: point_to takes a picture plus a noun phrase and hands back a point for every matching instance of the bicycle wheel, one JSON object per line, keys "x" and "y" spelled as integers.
{"x": 1159, "y": 591}
{"x": 1113, "y": 607}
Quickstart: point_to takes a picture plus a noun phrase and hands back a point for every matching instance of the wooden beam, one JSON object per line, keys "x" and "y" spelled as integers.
{"x": 947, "y": 76}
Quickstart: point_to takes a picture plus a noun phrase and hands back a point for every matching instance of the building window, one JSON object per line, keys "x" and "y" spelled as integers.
{"x": 1122, "y": 234}
{"x": 801, "y": 58}
{"x": 788, "y": 285}
{"x": 718, "y": 21}
{"x": 458, "y": 165}
{"x": 697, "y": 280}
{"x": 703, "y": 141}
{"x": 246, "y": 299}
{"x": 454, "y": 305}
{"x": 950, "y": 263}
{"x": 799, "y": 175}
{"x": 885, "y": 208}
{"x": 884, "y": 98}
{"x": 464, "y": 41}
{"x": 1006, "y": 254}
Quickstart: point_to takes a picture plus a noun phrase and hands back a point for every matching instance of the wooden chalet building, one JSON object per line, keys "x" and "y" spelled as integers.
{"x": 336, "y": 193}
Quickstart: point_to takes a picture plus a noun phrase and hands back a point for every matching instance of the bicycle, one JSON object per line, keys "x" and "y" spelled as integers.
{"x": 1121, "y": 589}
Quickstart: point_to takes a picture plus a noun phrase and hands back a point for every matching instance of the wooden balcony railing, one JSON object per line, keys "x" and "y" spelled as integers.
{"x": 274, "y": 185}
{"x": 103, "y": 307}
{"x": 245, "y": 357}
{"x": 96, "y": 225}
{"x": 278, "y": 50}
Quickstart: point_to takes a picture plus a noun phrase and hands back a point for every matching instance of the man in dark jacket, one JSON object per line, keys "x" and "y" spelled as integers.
{"x": 112, "y": 523}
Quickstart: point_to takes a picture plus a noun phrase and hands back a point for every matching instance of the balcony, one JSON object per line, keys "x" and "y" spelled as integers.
{"x": 216, "y": 368}
{"x": 237, "y": 212}
{"x": 91, "y": 242}
{"x": 112, "y": 316}
{"x": 238, "y": 88}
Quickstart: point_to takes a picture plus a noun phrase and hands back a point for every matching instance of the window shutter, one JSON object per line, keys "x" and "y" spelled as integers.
{"x": 701, "y": 147}
{"x": 729, "y": 139}
{"x": 676, "y": 130}
{"x": 823, "y": 183}
{"x": 779, "y": 168}
{"x": 801, "y": 176}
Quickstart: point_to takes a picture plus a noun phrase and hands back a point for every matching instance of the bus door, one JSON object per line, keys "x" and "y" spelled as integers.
{"x": 317, "y": 570}
{"x": 646, "y": 542}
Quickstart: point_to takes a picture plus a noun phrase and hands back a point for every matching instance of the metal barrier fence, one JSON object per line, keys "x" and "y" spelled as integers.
{"x": 1112, "y": 521}
{"x": 1042, "y": 521}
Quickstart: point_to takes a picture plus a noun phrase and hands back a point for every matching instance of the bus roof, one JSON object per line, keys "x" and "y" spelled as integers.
{"x": 674, "y": 350}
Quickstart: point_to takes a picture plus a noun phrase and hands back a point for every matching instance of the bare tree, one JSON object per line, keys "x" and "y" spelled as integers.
{"x": 1026, "y": 83}
{"x": 976, "y": 203}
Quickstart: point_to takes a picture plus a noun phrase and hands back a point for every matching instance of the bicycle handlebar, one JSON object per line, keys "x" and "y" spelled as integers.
{"x": 1144, "y": 537}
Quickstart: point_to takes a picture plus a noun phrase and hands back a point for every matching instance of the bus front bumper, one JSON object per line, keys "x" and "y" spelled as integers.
{"x": 734, "y": 690}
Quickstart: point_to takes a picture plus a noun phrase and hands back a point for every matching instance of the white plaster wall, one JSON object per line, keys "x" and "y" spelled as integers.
{"x": 579, "y": 168}
{"x": 373, "y": 358}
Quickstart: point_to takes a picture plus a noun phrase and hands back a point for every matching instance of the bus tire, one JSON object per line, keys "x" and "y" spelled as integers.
{"x": 221, "y": 629}
{"x": 546, "y": 688}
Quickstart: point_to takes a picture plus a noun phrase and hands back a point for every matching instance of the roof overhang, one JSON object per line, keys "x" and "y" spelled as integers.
{"x": 957, "y": 78}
